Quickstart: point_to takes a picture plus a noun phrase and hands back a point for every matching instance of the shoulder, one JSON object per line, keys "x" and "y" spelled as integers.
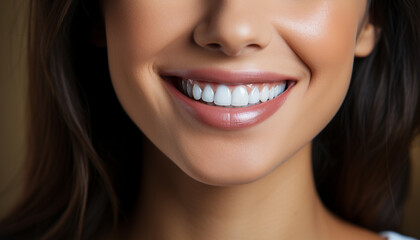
{"x": 395, "y": 236}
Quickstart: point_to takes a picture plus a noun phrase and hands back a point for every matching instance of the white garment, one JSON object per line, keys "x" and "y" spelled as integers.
{"x": 395, "y": 236}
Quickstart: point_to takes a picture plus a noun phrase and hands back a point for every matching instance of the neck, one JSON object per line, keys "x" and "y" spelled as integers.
{"x": 174, "y": 206}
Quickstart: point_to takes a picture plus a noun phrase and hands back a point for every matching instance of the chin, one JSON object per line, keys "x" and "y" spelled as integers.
{"x": 229, "y": 171}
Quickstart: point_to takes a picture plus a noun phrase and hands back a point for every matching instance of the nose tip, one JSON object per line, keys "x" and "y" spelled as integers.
{"x": 232, "y": 31}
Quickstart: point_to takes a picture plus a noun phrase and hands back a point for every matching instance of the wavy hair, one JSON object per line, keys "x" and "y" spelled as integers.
{"x": 79, "y": 183}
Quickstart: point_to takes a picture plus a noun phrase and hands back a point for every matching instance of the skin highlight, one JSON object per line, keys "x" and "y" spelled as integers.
{"x": 205, "y": 183}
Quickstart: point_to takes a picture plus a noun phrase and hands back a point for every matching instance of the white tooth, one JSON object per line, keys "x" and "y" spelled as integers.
{"x": 184, "y": 86}
{"x": 197, "y": 92}
{"x": 189, "y": 89}
{"x": 276, "y": 91}
{"x": 240, "y": 96}
{"x": 223, "y": 97}
{"x": 264, "y": 94}
{"x": 272, "y": 93}
{"x": 254, "y": 96}
{"x": 282, "y": 87}
{"x": 208, "y": 94}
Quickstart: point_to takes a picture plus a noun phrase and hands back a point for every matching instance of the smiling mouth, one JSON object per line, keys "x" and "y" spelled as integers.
{"x": 227, "y": 95}
{"x": 229, "y": 89}
{"x": 226, "y": 99}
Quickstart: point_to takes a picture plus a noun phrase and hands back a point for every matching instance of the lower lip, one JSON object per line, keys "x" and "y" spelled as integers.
{"x": 228, "y": 118}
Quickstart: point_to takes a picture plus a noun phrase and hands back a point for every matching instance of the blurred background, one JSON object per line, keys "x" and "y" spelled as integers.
{"x": 12, "y": 116}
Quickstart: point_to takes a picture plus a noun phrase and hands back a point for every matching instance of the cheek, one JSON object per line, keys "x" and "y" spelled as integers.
{"x": 138, "y": 30}
{"x": 136, "y": 33}
{"x": 131, "y": 29}
{"x": 323, "y": 36}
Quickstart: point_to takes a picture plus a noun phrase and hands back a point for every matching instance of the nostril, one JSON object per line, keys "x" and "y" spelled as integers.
{"x": 230, "y": 51}
{"x": 254, "y": 45}
{"x": 213, "y": 46}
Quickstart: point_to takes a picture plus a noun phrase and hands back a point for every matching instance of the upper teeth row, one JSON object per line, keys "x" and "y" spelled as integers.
{"x": 239, "y": 97}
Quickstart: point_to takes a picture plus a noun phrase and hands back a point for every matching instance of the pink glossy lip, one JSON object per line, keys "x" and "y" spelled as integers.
{"x": 228, "y": 118}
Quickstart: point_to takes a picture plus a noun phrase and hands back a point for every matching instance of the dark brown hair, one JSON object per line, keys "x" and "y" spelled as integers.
{"x": 80, "y": 181}
{"x": 362, "y": 158}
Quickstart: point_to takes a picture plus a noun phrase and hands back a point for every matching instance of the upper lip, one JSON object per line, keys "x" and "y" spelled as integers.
{"x": 227, "y": 76}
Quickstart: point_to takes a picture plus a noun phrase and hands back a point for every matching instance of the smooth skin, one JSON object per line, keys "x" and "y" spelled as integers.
{"x": 200, "y": 182}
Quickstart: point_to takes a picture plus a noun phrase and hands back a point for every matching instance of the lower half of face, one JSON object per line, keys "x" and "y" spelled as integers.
{"x": 229, "y": 90}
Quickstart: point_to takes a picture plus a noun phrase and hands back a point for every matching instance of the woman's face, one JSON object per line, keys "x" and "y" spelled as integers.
{"x": 231, "y": 54}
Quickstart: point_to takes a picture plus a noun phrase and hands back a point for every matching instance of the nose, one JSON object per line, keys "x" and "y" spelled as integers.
{"x": 233, "y": 28}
